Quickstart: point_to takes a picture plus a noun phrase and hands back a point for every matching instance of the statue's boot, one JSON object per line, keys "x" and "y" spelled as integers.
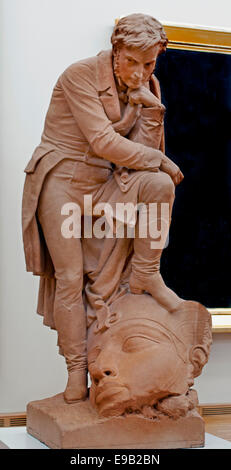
{"x": 146, "y": 275}
{"x": 76, "y": 388}
{"x": 70, "y": 322}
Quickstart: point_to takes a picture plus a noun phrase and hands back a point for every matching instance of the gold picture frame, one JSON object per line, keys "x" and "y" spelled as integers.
{"x": 198, "y": 39}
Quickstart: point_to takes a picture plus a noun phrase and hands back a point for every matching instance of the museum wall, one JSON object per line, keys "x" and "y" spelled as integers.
{"x": 39, "y": 40}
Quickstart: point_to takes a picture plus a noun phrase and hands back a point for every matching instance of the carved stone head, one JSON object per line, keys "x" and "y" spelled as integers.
{"x": 147, "y": 355}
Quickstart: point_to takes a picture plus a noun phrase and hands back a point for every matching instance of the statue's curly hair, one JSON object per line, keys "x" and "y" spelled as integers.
{"x": 138, "y": 30}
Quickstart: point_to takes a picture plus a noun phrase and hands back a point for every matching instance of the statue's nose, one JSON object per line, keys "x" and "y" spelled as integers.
{"x": 100, "y": 372}
{"x": 138, "y": 72}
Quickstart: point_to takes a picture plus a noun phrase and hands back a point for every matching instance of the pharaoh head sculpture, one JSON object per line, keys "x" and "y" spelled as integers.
{"x": 147, "y": 358}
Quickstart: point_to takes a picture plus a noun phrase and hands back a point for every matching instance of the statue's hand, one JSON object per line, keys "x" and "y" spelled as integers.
{"x": 130, "y": 116}
{"x": 144, "y": 97}
{"x": 168, "y": 166}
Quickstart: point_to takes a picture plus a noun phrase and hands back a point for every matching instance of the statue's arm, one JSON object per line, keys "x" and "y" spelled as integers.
{"x": 147, "y": 127}
{"x": 128, "y": 122}
{"x": 82, "y": 97}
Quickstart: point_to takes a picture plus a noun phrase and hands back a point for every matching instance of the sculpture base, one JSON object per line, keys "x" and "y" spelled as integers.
{"x": 78, "y": 426}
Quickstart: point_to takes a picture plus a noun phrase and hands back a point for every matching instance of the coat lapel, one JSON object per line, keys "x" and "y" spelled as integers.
{"x": 106, "y": 86}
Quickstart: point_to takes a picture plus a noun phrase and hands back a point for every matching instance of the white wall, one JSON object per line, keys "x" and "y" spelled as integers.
{"x": 40, "y": 38}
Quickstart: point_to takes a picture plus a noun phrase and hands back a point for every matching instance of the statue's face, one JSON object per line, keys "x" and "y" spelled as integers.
{"x": 136, "y": 66}
{"x": 134, "y": 362}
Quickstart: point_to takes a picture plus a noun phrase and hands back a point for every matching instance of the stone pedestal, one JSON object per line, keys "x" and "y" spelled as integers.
{"x": 78, "y": 426}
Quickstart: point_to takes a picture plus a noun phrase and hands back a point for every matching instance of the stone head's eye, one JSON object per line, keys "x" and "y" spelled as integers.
{"x": 138, "y": 343}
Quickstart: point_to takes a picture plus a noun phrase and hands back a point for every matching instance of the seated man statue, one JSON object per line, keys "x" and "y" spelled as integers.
{"x": 103, "y": 137}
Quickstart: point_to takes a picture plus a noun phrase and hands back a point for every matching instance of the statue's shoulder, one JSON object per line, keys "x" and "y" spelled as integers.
{"x": 81, "y": 66}
{"x": 155, "y": 86}
{"x": 90, "y": 64}
{"x": 155, "y": 79}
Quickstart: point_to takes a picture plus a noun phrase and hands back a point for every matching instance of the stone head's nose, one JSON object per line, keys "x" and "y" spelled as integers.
{"x": 100, "y": 371}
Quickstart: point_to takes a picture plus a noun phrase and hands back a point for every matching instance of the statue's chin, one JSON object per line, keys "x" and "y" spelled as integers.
{"x": 116, "y": 401}
{"x": 112, "y": 402}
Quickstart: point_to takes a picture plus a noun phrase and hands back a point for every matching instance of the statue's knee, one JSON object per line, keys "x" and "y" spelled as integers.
{"x": 69, "y": 280}
{"x": 167, "y": 187}
{"x": 69, "y": 288}
{"x": 157, "y": 187}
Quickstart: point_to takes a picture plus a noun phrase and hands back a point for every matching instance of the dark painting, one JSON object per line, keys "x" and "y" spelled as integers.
{"x": 196, "y": 90}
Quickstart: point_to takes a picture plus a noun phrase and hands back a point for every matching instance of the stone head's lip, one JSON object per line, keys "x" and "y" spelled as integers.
{"x": 107, "y": 391}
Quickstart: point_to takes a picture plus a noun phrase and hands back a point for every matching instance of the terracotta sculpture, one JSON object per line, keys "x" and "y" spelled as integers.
{"x": 104, "y": 137}
{"x": 142, "y": 365}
